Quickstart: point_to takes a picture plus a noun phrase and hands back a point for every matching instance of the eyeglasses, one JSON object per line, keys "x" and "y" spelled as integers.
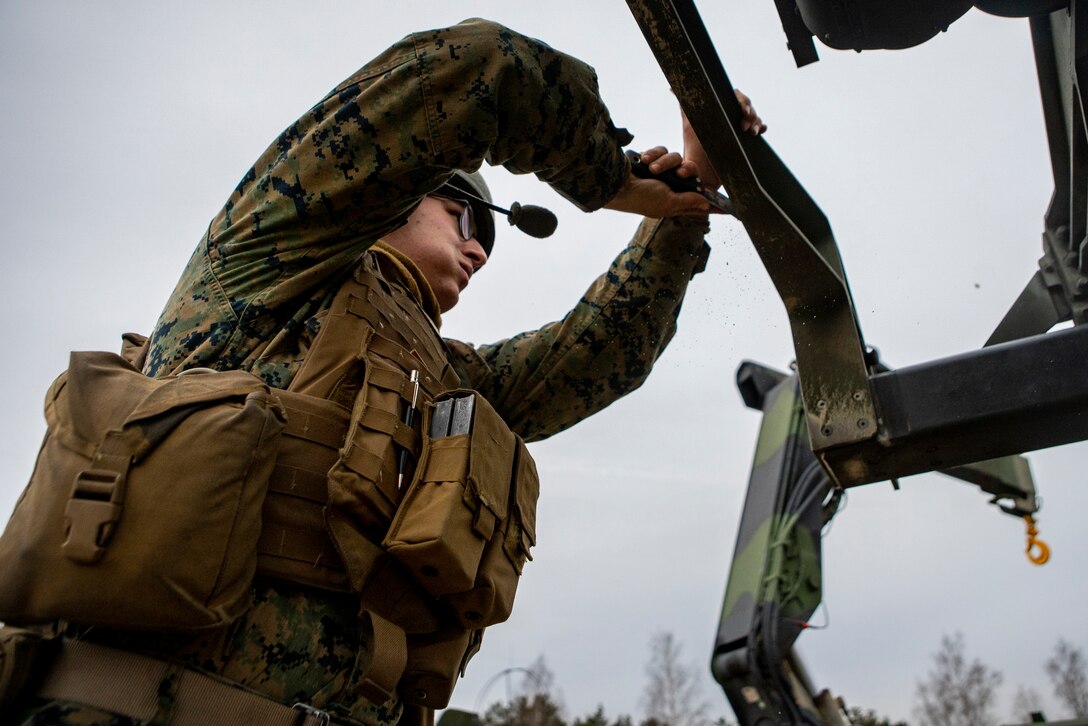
{"x": 465, "y": 221}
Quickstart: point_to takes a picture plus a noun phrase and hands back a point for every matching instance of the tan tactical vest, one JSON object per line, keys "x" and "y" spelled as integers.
{"x": 373, "y": 336}
{"x": 338, "y": 484}
{"x": 429, "y": 522}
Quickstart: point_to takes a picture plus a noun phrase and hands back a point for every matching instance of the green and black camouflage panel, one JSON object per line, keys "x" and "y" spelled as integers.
{"x": 775, "y": 581}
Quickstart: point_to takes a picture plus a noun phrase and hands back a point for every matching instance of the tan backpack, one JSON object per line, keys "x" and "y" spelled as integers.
{"x": 104, "y": 532}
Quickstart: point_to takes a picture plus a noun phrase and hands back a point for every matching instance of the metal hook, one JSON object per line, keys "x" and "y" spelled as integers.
{"x": 1037, "y": 550}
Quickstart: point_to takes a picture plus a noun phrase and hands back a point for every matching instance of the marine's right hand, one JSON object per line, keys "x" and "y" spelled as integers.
{"x": 652, "y": 198}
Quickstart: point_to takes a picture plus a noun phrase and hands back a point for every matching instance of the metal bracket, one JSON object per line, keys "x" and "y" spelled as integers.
{"x": 789, "y": 231}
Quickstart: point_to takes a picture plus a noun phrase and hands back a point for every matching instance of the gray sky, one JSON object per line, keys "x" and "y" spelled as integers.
{"x": 125, "y": 125}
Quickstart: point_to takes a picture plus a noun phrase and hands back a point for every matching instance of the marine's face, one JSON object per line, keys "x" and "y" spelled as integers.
{"x": 432, "y": 239}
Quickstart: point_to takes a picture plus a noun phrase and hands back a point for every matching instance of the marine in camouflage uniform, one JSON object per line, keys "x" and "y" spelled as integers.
{"x": 350, "y": 170}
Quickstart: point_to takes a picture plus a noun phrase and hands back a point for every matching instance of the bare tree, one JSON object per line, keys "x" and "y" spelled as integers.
{"x": 1025, "y": 704}
{"x": 672, "y": 696}
{"x": 1069, "y": 676}
{"x": 858, "y": 717}
{"x": 534, "y": 704}
{"x": 957, "y": 693}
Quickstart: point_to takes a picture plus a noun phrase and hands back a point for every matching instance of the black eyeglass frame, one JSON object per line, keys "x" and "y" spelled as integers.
{"x": 466, "y": 220}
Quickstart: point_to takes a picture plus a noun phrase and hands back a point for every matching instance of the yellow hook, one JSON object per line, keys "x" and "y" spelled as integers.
{"x": 1037, "y": 550}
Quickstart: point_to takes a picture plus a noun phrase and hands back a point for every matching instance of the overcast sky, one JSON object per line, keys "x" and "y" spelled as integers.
{"x": 126, "y": 124}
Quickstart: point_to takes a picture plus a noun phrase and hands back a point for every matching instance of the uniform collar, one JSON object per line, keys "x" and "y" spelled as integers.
{"x": 399, "y": 268}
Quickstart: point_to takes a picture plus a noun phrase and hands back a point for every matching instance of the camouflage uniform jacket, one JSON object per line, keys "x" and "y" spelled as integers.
{"x": 351, "y": 169}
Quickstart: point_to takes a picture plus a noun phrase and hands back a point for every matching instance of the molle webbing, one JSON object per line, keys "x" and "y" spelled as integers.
{"x": 361, "y": 359}
{"x": 294, "y": 545}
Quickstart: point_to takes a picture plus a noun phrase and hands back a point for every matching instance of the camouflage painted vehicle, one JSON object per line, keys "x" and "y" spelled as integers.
{"x": 843, "y": 418}
{"x": 775, "y": 584}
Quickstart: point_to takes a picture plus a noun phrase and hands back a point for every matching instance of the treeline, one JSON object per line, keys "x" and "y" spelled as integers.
{"x": 962, "y": 692}
{"x": 671, "y": 696}
{"x": 958, "y": 691}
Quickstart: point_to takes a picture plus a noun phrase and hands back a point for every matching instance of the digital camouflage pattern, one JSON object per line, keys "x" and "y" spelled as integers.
{"x": 294, "y": 645}
{"x": 356, "y": 165}
{"x": 351, "y": 169}
{"x": 544, "y": 381}
{"x": 291, "y": 646}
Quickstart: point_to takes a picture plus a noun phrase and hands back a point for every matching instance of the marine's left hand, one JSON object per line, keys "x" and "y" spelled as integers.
{"x": 750, "y": 123}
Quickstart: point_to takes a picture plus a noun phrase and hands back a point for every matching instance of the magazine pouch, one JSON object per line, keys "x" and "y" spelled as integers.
{"x": 492, "y": 596}
{"x": 435, "y": 660}
{"x": 462, "y": 503}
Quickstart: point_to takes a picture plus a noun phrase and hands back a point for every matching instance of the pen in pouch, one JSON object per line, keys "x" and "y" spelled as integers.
{"x": 409, "y": 418}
